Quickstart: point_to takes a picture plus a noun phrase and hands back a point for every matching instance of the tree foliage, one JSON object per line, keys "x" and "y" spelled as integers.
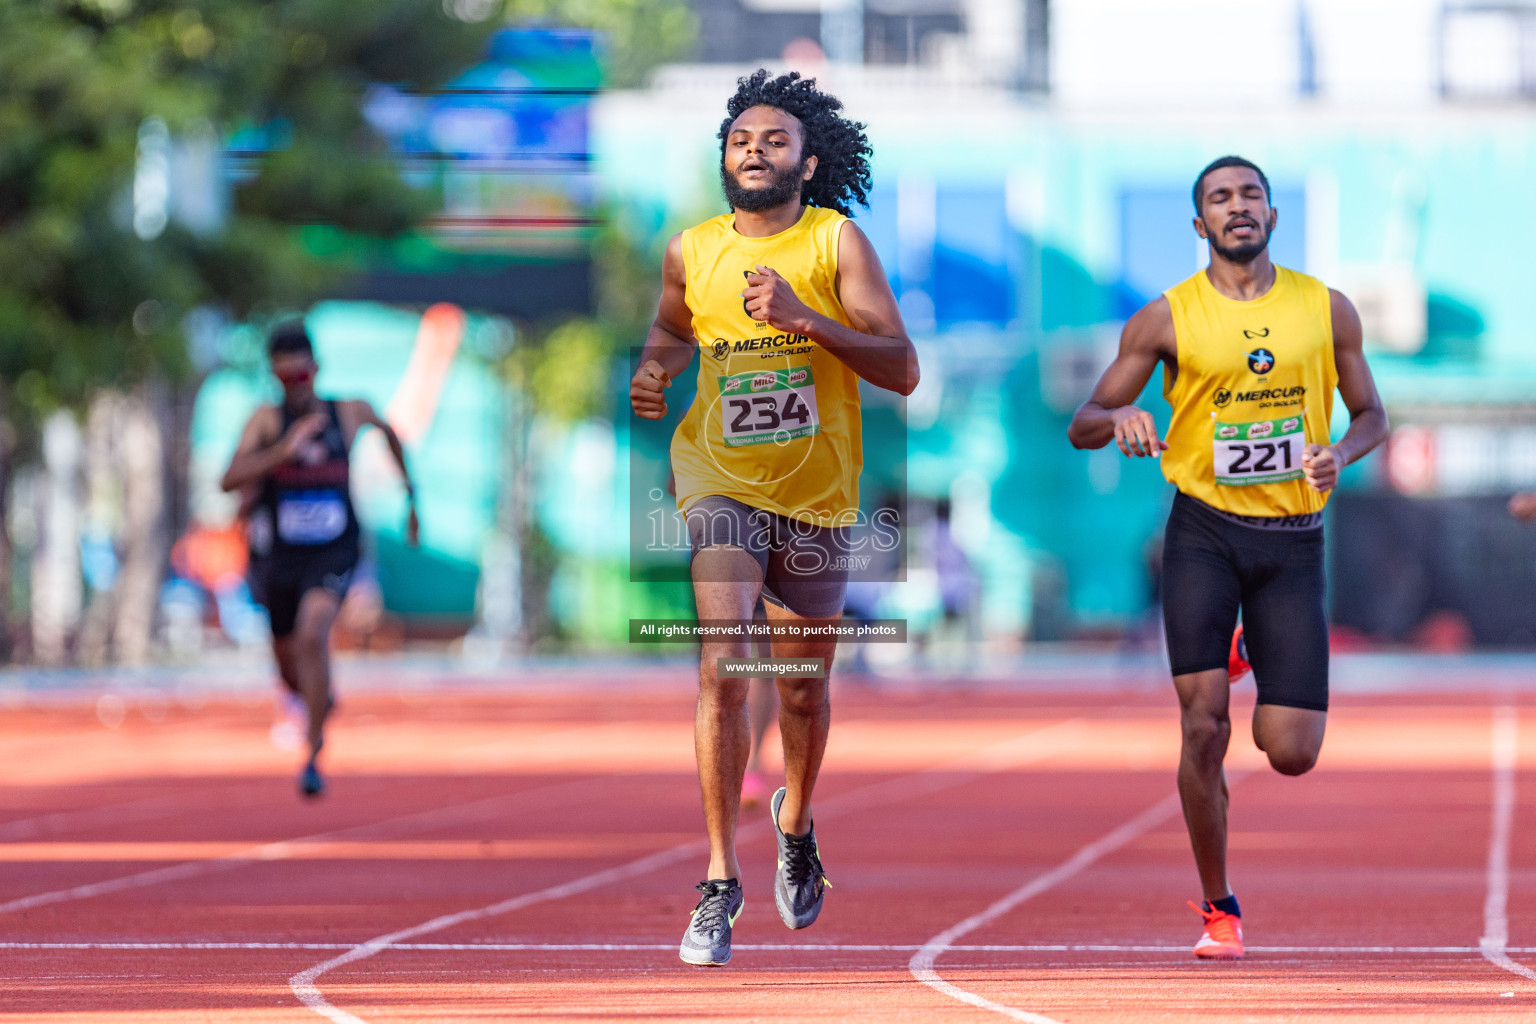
{"x": 576, "y": 368}
{"x": 85, "y": 299}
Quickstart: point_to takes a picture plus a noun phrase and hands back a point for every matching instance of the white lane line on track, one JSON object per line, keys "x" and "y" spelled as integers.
{"x": 259, "y": 853}
{"x": 274, "y": 851}
{"x": 922, "y": 963}
{"x": 303, "y": 983}
{"x": 1017, "y": 752}
{"x": 146, "y": 809}
{"x": 1505, "y": 753}
{"x": 769, "y": 947}
{"x": 111, "y": 814}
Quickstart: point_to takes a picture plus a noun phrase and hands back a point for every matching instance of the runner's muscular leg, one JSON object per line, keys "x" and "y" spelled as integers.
{"x": 805, "y": 717}
{"x": 287, "y": 666}
{"x": 726, "y": 581}
{"x": 1207, "y": 725}
{"x": 311, "y": 641}
{"x": 1291, "y": 737}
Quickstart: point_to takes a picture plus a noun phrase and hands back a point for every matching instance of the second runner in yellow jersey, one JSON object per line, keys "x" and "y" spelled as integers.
{"x": 1254, "y": 386}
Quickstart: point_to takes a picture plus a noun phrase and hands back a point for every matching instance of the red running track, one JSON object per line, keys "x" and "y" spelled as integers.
{"x": 996, "y": 855}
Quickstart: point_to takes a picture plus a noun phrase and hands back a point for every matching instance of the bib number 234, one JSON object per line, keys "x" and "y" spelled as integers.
{"x": 1265, "y": 452}
{"x": 773, "y": 405}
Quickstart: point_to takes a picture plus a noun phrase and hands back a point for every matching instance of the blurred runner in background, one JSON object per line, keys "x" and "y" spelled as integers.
{"x": 296, "y": 454}
{"x": 290, "y": 723}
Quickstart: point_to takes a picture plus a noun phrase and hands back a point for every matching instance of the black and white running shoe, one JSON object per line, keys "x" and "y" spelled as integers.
{"x": 707, "y": 942}
{"x": 800, "y": 881}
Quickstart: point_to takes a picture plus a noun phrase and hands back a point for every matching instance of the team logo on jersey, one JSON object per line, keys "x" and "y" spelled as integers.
{"x": 1222, "y": 399}
{"x": 721, "y": 348}
{"x": 1261, "y": 360}
{"x": 1257, "y": 334}
{"x": 767, "y": 341}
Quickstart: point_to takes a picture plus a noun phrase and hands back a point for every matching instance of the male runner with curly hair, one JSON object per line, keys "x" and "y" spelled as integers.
{"x": 786, "y": 303}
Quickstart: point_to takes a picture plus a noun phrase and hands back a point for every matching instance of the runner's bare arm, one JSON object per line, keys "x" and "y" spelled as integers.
{"x": 876, "y": 347}
{"x": 257, "y": 454}
{"x": 1108, "y": 415}
{"x": 250, "y": 496}
{"x": 363, "y": 414}
{"x": 670, "y": 344}
{"x": 1367, "y": 416}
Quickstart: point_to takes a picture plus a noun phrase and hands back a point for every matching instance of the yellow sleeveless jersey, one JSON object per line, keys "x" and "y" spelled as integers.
{"x": 1254, "y": 386}
{"x": 775, "y": 423}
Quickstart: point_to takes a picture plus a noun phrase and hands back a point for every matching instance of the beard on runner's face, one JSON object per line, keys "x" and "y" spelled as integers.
{"x": 1246, "y": 250}
{"x": 781, "y": 186}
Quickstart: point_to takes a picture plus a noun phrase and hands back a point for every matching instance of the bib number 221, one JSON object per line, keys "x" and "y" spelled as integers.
{"x": 1259, "y": 453}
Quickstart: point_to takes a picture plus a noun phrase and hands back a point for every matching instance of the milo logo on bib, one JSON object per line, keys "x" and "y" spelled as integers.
{"x": 764, "y": 381}
{"x": 1265, "y": 452}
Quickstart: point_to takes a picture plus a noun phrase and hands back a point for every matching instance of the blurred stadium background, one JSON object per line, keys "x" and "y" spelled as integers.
{"x": 469, "y": 200}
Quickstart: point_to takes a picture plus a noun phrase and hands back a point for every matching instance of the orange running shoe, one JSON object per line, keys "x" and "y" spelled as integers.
{"x": 1237, "y": 658}
{"x": 754, "y": 789}
{"x": 1223, "y": 935}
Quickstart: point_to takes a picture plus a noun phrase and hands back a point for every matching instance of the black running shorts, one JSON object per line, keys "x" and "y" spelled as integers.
{"x": 327, "y": 568}
{"x": 1215, "y": 563}
{"x": 805, "y": 566}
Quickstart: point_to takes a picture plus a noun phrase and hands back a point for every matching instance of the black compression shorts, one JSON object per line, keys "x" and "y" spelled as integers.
{"x": 804, "y": 566}
{"x": 285, "y": 583}
{"x": 1215, "y": 563}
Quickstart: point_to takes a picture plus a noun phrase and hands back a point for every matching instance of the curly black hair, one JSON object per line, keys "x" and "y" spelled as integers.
{"x": 841, "y": 149}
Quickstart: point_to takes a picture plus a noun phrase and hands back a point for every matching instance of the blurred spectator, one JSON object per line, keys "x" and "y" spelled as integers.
{"x": 209, "y": 588}
{"x": 958, "y": 631}
{"x": 1443, "y": 632}
{"x": 1145, "y": 634}
{"x": 212, "y": 557}
{"x": 957, "y": 579}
